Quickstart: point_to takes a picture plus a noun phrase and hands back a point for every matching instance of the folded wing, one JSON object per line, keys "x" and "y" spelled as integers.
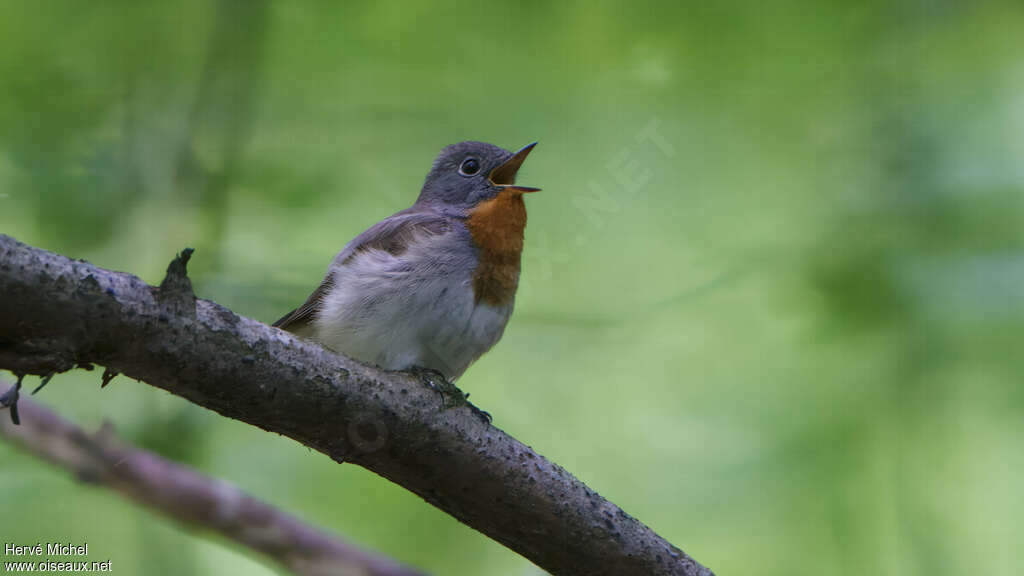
{"x": 391, "y": 235}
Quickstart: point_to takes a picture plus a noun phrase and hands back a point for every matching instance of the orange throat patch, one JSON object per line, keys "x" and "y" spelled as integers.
{"x": 496, "y": 226}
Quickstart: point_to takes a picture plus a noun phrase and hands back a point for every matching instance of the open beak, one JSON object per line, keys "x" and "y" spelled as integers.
{"x": 504, "y": 176}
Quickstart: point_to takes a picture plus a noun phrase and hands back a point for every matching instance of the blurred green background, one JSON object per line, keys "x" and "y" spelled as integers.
{"x": 772, "y": 295}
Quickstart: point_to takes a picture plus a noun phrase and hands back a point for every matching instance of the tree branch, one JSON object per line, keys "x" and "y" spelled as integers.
{"x": 191, "y": 498}
{"x": 56, "y": 313}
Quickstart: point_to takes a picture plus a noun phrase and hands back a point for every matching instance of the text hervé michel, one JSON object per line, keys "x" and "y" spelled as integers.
{"x": 51, "y": 550}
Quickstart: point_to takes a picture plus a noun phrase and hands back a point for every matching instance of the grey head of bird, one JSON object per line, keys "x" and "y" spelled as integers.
{"x": 468, "y": 173}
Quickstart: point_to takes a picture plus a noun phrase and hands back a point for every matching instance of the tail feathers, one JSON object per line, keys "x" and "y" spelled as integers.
{"x": 282, "y": 322}
{"x": 302, "y": 317}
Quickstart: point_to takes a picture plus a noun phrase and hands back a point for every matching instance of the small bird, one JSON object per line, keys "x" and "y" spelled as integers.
{"x": 432, "y": 286}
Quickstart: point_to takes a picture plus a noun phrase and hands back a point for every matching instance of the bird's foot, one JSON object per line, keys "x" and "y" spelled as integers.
{"x": 483, "y": 415}
{"x": 451, "y": 396}
{"x": 436, "y": 381}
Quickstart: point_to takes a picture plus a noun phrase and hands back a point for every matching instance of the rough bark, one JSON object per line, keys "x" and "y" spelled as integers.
{"x": 185, "y": 495}
{"x": 57, "y": 313}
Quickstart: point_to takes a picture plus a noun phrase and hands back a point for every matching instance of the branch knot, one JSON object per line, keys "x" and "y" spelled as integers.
{"x": 175, "y": 292}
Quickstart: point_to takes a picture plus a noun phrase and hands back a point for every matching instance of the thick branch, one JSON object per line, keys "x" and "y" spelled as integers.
{"x": 56, "y": 313}
{"x": 187, "y": 496}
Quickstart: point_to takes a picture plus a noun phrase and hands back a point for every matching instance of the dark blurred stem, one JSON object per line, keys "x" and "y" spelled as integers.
{"x": 196, "y": 500}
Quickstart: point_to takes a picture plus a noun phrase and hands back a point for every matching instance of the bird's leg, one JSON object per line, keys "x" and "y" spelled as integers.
{"x": 436, "y": 381}
{"x": 451, "y": 396}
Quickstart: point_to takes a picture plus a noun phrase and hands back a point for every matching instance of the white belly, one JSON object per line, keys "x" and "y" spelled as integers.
{"x": 414, "y": 310}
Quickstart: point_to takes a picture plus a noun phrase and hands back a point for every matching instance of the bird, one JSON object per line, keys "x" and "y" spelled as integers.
{"x": 430, "y": 287}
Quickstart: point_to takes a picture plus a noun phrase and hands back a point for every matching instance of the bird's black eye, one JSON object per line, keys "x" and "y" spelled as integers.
{"x": 469, "y": 167}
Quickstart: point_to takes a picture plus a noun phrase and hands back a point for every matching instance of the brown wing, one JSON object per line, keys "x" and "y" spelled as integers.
{"x": 391, "y": 235}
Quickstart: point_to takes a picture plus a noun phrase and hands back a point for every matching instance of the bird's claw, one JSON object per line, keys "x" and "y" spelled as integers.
{"x": 483, "y": 415}
{"x": 436, "y": 381}
{"x": 451, "y": 395}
